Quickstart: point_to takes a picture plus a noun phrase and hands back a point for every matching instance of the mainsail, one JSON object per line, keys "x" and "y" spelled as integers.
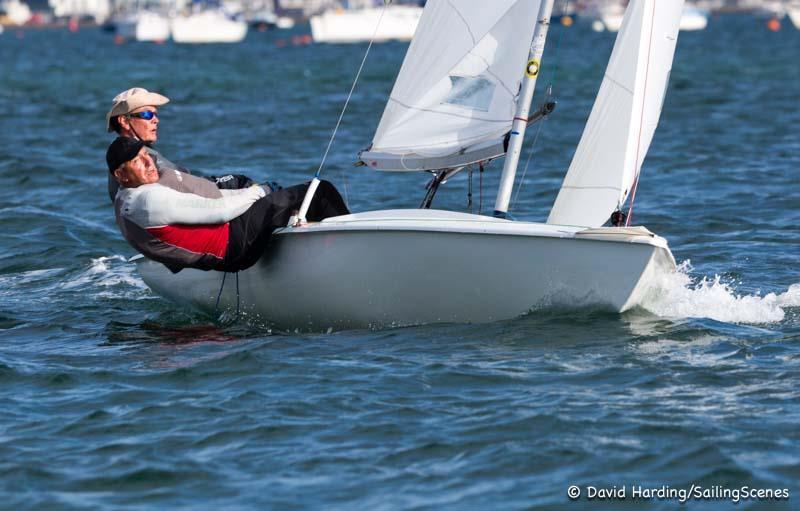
{"x": 453, "y": 101}
{"x": 624, "y": 117}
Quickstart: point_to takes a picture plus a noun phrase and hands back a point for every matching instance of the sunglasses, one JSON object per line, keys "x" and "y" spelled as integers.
{"x": 146, "y": 115}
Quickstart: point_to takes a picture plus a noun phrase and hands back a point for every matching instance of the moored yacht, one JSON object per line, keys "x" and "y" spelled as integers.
{"x": 397, "y": 22}
{"x": 207, "y": 26}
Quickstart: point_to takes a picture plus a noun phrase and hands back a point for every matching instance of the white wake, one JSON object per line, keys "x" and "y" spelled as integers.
{"x": 679, "y": 295}
{"x": 109, "y": 277}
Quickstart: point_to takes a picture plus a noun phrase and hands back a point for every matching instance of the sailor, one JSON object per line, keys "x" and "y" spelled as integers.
{"x": 201, "y": 226}
{"x": 134, "y": 114}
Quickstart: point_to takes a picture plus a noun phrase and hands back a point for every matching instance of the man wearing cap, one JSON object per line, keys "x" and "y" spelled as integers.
{"x": 134, "y": 114}
{"x": 192, "y": 223}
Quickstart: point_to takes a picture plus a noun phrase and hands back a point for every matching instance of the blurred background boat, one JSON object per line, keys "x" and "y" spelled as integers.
{"x": 14, "y": 12}
{"x": 793, "y": 10}
{"x": 207, "y": 24}
{"x": 143, "y": 25}
{"x": 609, "y": 17}
{"x": 356, "y": 21}
{"x": 265, "y": 19}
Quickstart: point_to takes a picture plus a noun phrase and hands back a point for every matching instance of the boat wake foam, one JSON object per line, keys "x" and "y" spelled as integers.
{"x": 680, "y": 295}
{"x": 113, "y": 274}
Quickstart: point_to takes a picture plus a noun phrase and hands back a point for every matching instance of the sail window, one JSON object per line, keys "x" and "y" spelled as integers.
{"x": 473, "y": 92}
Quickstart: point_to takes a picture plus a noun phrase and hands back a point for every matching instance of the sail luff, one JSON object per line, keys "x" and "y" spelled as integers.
{"x": 518, "y": 127}
{"x": 624, "y": 117}
{"x": 637, "y": 164}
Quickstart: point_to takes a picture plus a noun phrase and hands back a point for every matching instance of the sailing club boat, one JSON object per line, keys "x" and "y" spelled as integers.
{"x": 466, "y": 104}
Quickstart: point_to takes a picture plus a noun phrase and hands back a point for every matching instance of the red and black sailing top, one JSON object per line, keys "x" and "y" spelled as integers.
{"x": 182, "y": 220}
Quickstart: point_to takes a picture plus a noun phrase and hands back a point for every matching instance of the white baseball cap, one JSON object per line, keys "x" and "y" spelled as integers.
{"x": 131, "y": 99}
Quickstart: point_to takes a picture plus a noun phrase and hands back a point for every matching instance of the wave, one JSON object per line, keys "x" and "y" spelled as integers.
{"x": 680, "y": 295}
{"x": 114, "y": 275}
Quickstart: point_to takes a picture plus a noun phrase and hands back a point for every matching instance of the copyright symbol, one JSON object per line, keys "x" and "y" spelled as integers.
{"x": 573, "y": 492}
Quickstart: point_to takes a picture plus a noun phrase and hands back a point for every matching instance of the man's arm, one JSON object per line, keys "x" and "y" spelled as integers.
{"x": 159, "y": 205}
{"x": 224, "y": 182}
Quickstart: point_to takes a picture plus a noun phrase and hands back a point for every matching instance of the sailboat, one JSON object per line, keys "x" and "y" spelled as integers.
{"x": 793, "y": 10}
{"x": 612, "y": 13}
{"x": 204, "y": 23}
{"x": 397, "y": 22}
{"x": 143, "y": 25}
{"x": 466, "y": 104}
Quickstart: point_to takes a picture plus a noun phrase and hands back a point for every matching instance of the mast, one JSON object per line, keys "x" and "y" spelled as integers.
{"x": 523, "y": 108}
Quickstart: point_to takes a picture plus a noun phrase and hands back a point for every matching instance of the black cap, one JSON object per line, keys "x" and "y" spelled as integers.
{"x": 121, "y": 150}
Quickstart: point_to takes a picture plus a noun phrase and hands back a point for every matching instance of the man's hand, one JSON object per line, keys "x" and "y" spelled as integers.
{"x": 232, "y": 181}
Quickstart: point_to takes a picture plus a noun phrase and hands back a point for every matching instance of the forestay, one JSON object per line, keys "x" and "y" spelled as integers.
{"x": 624, "y": 117}
{"x": 453, "y": 101}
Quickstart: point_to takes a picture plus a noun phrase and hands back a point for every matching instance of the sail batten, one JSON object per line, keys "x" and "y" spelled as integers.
{"x": 624, "y": 116}
{"x": 457, "y": 99}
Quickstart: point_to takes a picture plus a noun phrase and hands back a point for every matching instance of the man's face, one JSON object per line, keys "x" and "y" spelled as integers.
{"x": 145, "y": 129}
{"x": 139, "y": 171}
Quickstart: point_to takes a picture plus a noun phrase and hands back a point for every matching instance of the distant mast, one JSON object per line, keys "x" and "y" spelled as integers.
{"x": 523, "y": 109}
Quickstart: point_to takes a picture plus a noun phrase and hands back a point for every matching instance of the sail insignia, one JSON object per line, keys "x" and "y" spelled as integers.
{"x": 470, "y": 92}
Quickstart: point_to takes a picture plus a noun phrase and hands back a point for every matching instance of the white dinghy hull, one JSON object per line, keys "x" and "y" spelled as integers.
{"x": 406, "y": 267}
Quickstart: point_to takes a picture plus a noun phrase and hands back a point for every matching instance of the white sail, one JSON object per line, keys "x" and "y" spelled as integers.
{"x": 624, "y": 117}
{"x": 453, "y": 101}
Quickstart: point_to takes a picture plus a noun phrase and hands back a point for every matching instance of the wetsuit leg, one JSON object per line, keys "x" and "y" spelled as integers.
{"x": 248, "y": 236}
{"x": 250, "y": 232}
{"x": 326, "y": 203}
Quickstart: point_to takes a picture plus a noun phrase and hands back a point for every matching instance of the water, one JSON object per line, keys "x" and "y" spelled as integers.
{"x": 116, "y": 399}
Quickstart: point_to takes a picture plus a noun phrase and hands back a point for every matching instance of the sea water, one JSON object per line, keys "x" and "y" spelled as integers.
{"x": 114, "y": 398}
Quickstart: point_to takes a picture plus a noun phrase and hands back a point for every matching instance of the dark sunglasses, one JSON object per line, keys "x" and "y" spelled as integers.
{"x": 146, "y": 115}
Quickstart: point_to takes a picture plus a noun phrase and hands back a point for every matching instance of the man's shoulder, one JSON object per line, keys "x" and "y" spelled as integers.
{"x": 163, "y": 163}
{"x": 140, "y": 192}
{"x": 187, "y": 183}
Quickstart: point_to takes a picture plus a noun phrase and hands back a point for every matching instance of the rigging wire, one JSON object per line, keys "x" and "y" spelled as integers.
{"x": 527, "y": 162}
{"x": 237, "y": 296}
{"x": 352, "y": 88}
{"x": 480, "y": 187}
{"x": 469, "y": 190}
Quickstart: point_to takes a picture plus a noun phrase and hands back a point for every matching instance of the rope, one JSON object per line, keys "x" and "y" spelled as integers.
{"x": 469, "y": 191}
{"x": 347, "y": 101}
{"x": 221, "y": 287}
{"x": 237, "y": 296}
{"x": 219, "y": 295}
{"x": 480, "y": 186}
{"x": 641, "y": 120}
